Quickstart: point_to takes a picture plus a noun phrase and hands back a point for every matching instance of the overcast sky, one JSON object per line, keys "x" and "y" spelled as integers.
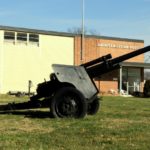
{"x": 116, "y": 18}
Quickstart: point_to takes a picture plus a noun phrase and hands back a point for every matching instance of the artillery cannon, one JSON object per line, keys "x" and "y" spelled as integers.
{"x": 71, "y": 91}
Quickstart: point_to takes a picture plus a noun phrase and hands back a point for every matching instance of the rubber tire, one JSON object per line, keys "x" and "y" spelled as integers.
{"x": 93, "y": 107}
{"x": 58, "y": 98}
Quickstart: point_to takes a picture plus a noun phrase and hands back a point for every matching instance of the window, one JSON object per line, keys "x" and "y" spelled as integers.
{"x": 34, "y": 38}
{"x": 9, "y": 36}
{"x": 22, "y": 37}
{"x": 131, "y": 78}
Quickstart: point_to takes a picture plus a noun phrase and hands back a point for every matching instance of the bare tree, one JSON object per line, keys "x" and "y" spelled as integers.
{"x": 94, "y": 32}
{"x": 78, "y": 30}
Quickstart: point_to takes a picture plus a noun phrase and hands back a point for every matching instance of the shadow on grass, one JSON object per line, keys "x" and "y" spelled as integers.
{"x": 28, "y": 113}
{"x": 31, "y": 109}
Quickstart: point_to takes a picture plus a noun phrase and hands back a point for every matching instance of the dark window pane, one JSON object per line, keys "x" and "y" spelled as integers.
{"x": 33, "y": 37}
{"x": 22, "y": 36}
{"x": 9, "y": 35}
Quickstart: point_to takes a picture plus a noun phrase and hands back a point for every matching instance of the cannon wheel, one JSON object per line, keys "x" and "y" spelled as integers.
{"x": 68, "y": 102}
{"x": 93, "y": 107}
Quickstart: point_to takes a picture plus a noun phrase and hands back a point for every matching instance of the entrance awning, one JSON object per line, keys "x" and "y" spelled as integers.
{"x": 135, "y": 64}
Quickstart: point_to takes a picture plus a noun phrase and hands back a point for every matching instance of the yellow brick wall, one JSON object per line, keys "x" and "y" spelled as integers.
{"x": 1, "y": 60}
{"x": 23, "y": 62}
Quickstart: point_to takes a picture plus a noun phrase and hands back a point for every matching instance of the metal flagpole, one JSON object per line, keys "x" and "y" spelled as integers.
{"x": 82, "y": 34}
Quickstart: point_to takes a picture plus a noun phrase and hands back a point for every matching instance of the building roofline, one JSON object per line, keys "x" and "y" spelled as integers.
{"x": 135, "y": 64}
{"x": 114, "y": 38}
{"x": 20, "y": 29}
{"x": 56, "y": 33}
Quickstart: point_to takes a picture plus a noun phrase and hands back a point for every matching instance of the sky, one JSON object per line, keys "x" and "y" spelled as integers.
{"x": 115, "y": 18}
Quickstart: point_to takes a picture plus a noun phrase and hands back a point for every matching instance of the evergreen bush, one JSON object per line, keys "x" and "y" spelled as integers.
{"x": 147, "y": 88}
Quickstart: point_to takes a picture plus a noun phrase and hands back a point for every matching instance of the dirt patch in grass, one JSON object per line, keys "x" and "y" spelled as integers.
{"x": 126, "y": 120}
{"x": 24, "y": 125}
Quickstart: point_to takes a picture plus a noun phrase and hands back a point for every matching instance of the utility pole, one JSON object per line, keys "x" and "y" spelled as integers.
{"x": 82, "y": 34}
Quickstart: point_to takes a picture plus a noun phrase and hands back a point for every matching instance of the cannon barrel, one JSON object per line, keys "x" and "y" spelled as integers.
{"x": 130, "y": 55}
{"x": 112, "y": 64}
{"x": 98, "y": 60}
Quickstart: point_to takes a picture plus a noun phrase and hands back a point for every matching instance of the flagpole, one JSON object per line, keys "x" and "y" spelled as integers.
{"x": 82, "y": 34}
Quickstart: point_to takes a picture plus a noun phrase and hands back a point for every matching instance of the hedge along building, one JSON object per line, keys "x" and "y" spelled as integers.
{"x": 129, "y": 77}
{"x": 27, "y": 54}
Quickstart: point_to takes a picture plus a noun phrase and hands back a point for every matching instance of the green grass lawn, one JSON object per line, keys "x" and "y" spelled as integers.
{"x": 121, "y": 124}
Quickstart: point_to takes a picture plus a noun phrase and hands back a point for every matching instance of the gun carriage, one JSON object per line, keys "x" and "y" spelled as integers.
{"x": 71, "y": 91}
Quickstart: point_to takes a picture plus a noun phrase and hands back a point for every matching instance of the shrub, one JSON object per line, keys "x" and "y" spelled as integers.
{"x": 147, "y": 88}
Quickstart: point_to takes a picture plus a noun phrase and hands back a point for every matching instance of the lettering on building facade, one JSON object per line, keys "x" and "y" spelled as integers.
{"x": 121, "y": 46}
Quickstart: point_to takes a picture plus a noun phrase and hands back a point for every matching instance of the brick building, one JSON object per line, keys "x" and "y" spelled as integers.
{"x": 131, "y": 73}
{"x": 27, "y": 54}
